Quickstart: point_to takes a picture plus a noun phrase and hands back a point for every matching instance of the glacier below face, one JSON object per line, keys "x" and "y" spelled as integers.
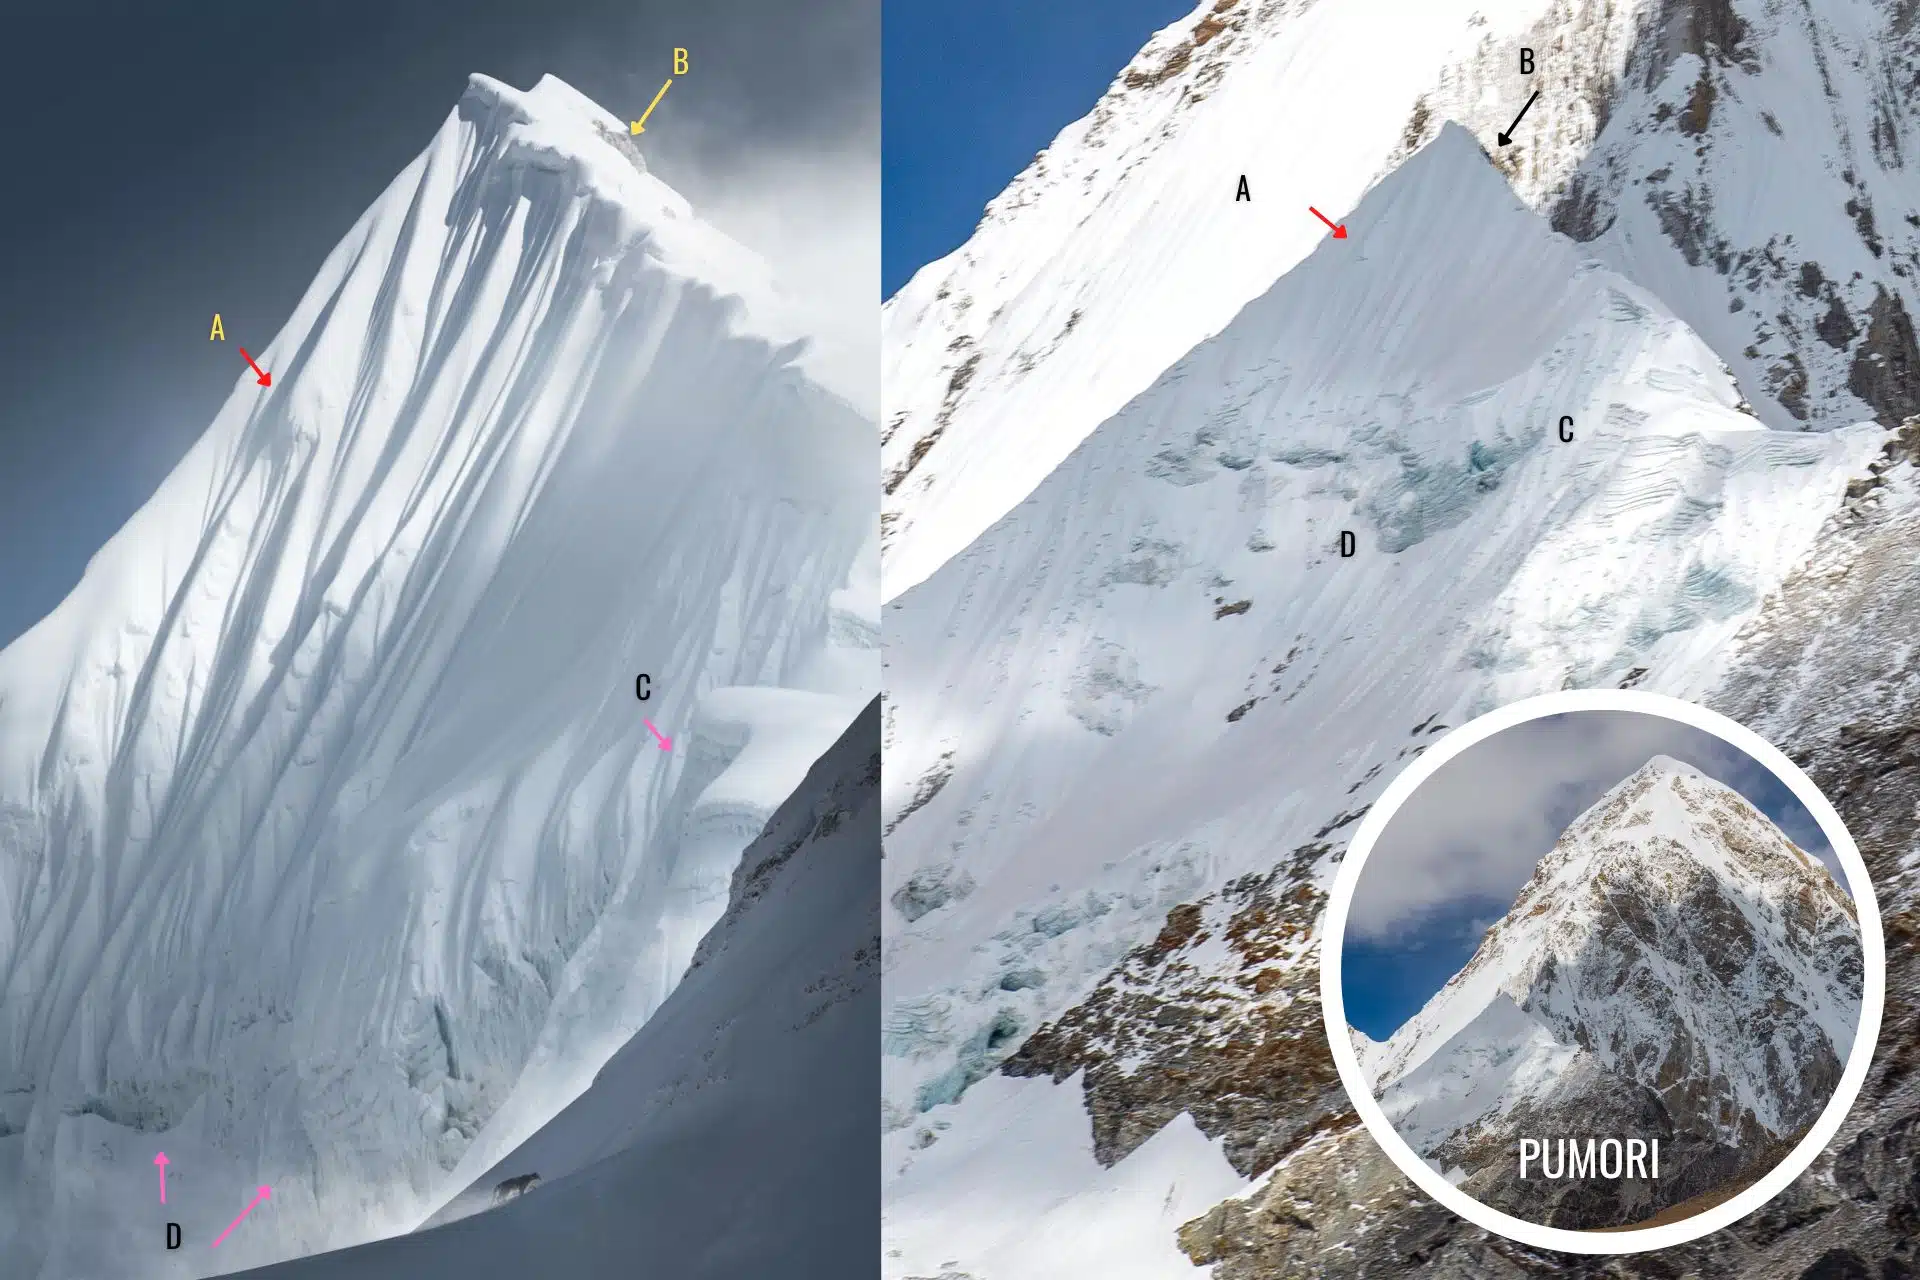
{"x": 689, "y": 1157}
{"x": 333, "y": 848}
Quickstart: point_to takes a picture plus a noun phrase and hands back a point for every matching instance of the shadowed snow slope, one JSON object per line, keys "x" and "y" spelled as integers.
{"x": 1063, "y": 766}
{"x": 733, "y": 1136}
{"x": 325, "y": 802}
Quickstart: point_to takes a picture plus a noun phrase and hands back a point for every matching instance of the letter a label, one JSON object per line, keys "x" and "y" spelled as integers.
{"x": 219, "y": 330}
{"x": 1243, "y": 193}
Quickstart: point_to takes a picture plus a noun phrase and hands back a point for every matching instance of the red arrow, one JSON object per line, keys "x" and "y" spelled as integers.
{"x": 1339, "y": 232}
{"x": 161, "y": 1160}
{"x": 666, "y": 743}
{"x": 258, "y": 1196}
{"x": 266, "y": 379}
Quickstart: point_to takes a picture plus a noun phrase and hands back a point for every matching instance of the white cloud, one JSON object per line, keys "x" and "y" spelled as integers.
{"x": 810, "y": 207}
{"x": 1479, "y": 825}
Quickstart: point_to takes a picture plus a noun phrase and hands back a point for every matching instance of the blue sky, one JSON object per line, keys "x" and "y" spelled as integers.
{"x": 1459, "y": 851}
{"x": 972, "y": 91}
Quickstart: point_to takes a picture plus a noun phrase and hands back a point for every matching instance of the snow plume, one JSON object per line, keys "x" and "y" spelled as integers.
{"x": 332, "y": 845}
{"x": 783, "y": 156}
{"x": 815, "y": 216}
{"x": 817, "y": 219}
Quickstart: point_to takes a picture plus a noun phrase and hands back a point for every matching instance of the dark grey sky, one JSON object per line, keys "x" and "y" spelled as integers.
{"x": 166, "y": 161}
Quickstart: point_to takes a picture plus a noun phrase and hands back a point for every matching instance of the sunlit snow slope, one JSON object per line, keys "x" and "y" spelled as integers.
{"x": 1751, "y": 163}
{"x": 733, "y": 1136}
{"x": 1122, "y": 244}
{"x": 325, "y": 801}
{"x": 1158, "y": 673}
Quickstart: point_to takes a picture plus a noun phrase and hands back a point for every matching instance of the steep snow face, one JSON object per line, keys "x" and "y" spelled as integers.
{"x": 1651, "y": 556}
{"x": 1122, "y": 244}
{"x": 1759, "y": 174}
{"x": 325, "y": 802}
{"x": 1677, "y": 938}
{"x": 1063, "y": 767}
{"x": 733, "y": 1136}
{"x": 1751, "y": 164}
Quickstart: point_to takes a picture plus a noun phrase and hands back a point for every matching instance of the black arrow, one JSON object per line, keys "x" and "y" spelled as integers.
{"x": 1507, "y": 137}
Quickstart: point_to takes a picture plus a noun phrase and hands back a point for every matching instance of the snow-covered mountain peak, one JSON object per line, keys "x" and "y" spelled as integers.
{"x": 1128, "y": 421}
{"x": 1406, "y": 386}
{"x": 1675, "y": 969}
{"x": 1667, "y": 764}
{"x": 1003, "y": 355}
{"x": 555, "y": 128}
{"x": 1676, "y": 938}
{"x": 332, "y": 758}
{"x": 1662, "y": 134}
{"x": 1667, "y": 818}
{"x": 1395, "y": 310}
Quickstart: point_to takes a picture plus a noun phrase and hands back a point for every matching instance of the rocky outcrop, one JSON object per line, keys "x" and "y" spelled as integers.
{"x": 1886, "y": 367}
{"x": 1827, "y": 670}
{"x": 1694, "y": 129}
{"x": 1237, "y": 1042}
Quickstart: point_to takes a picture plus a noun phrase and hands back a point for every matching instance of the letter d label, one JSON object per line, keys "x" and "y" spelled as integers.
{"x": 173, "y": 1235}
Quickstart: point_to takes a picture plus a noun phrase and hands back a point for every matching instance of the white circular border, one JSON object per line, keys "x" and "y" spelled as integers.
{"x": 1872, "y": 997}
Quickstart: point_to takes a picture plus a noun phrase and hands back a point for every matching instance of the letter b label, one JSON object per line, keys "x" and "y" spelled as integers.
{"x": 679, "y": 62}
{"x": 1526, "y": 61}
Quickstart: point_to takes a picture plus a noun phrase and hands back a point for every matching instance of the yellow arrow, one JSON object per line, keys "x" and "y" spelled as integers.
{"x": 640, "y": 125}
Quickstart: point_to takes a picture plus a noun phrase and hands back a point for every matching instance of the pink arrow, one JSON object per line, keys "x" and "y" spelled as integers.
{"x": 666, "y": 743}
{"x": 161, "y": 1160}
{"x": 258, "y": 1196}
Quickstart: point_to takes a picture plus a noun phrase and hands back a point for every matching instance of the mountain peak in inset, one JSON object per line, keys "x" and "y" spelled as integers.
{"x": 1675, "y": 963}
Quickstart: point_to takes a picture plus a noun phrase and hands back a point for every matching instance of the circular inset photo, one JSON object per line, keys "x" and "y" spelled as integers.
{"x": 1602, "y": 971}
